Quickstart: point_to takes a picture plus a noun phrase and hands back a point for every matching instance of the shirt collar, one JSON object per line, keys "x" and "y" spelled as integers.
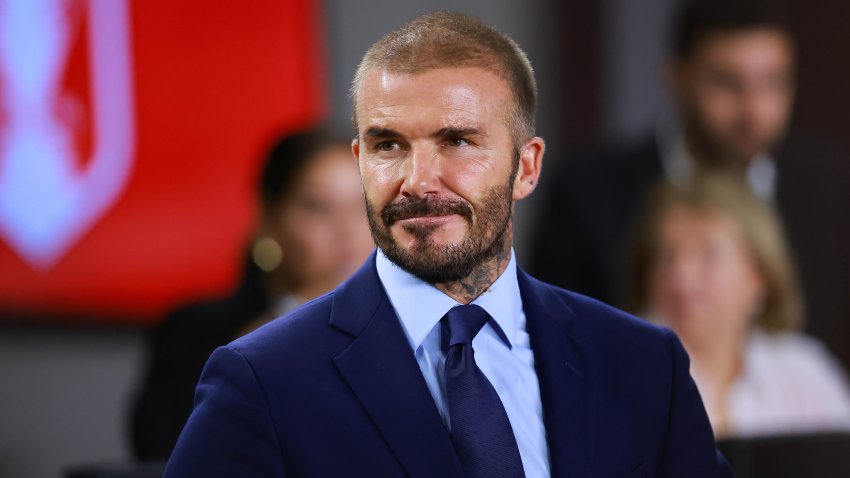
{"x": 420, "y": 306}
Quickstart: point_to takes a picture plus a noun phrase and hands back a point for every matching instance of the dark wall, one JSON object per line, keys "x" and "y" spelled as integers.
{"x": 823, "y": 40}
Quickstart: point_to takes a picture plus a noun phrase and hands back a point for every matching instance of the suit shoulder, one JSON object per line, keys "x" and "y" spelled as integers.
{"x": 629, "y": 351}
{"x": 299, "y": 330}
{"x": 600, "y": 323}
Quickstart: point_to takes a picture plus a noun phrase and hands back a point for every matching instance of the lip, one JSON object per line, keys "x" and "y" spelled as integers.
{"x": 426, "y": 220}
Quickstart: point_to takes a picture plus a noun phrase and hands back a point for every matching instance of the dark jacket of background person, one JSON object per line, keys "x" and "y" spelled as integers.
{"x": 181, "y": 347}
{"x": 581, "y": 244}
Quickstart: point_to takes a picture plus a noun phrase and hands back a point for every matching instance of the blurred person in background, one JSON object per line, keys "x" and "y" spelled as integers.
{"x": 731, "y": 75}
{"x": 710, "y": 261}
{"x": 311, "y": 235}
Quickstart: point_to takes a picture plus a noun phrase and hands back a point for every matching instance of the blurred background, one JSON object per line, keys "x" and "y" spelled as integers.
{"x": 161, "y": 113}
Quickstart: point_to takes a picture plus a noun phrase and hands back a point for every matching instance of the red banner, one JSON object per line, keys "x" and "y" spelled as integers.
{"x": 131, "y": 134}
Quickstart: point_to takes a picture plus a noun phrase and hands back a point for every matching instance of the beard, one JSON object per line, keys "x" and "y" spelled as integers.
{"x": 485, "y": 238}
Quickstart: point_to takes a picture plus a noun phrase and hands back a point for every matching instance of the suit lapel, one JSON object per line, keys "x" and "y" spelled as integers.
{"x": 565, "y": 369}
{"x": 381, "y": 370}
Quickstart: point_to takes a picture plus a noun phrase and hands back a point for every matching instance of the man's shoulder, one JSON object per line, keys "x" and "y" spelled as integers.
{"x": 301, "y": 332}
{"x": 308, "y": 330}
{"x": 605, "y": 327}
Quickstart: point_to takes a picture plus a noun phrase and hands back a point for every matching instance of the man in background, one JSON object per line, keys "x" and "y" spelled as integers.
{"x": 731, "y": 76}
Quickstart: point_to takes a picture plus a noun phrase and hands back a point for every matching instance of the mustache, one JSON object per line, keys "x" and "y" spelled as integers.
{"x": 418, "y": 207}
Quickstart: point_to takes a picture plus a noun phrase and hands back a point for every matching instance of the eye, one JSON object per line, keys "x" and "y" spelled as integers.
{"x": 456, "y": 142}
{"x": 387, "y": 146}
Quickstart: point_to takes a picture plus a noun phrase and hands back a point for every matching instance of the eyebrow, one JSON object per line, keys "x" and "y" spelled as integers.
{"x": 447, "y": 132}
{"x": 381, "y": 133}
{"x": 454, "y": 132}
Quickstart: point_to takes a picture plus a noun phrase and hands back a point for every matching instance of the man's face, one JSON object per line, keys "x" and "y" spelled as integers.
{"x": 438, "y": 166}
{"x": 736, "y": 91}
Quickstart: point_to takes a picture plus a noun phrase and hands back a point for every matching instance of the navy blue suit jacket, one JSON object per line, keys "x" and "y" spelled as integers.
{"x": 333, "y": 389}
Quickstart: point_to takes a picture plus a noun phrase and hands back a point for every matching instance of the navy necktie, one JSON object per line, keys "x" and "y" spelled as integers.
{"x": 481, "y": 431}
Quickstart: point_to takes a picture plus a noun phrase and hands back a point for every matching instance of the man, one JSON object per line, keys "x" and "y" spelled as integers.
{"x": 378, "y": 378}
{"x": 731, "y": 74}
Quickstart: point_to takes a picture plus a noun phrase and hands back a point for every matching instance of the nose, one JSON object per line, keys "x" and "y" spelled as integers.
{"x": 761, "y": 104}
{"x": 422, "y": 173}
{"x": 753, "y": 105}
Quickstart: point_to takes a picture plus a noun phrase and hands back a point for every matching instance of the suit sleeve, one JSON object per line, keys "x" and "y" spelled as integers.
{"x": 230, "y": 432}
{"x": 689, "y": 449}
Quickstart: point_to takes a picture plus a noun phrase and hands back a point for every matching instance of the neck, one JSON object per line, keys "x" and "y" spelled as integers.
{"x": 483, "y": 276}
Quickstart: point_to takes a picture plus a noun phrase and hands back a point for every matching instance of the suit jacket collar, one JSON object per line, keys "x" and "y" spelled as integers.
{"x": 380, "y": 368}
{"x": 566, "y": 369}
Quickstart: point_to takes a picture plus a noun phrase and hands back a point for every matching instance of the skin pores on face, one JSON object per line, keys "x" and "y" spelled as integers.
{"x": 704, "y": 281}
{"x": 736, "y": 92}
{"x": 436, "y": 147}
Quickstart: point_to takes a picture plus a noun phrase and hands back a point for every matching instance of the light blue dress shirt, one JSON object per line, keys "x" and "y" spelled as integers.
{"x": 502, "y": 351}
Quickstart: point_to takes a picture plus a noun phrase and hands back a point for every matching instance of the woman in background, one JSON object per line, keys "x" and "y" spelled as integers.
{"x": 311, "y": 235}
{"x": 710, "y": 261}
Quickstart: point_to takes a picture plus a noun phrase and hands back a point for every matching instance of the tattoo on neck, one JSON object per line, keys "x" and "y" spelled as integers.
{"x": 481, "y": 278}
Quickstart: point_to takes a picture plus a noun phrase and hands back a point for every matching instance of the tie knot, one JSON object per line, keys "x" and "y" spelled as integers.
{"x": 463, "y": 322}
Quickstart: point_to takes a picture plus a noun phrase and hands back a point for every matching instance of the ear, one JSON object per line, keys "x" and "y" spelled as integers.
{"x": 355, "y": 148}
{"x": 528, "y": 170}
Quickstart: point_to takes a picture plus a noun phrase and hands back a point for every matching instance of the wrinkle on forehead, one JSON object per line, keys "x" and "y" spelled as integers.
{"x": 458, "y": 100}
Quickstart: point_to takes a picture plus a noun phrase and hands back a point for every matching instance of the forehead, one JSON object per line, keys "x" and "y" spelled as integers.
{"x": 433, "y": 98}
{"x": 750, "y": 49}
{"x": 331, "y": 168}
{"x": 691, "y": 223}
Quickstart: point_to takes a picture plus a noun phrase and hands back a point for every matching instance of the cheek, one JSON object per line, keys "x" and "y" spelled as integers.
{"x": 381, "y": 182}
{"x": 468, "y": 183}
{"x": 733, "y": 290}
{"x": 664, "y": 288}
{"x": 473, "y": 180}
{"x": 776, "y": 111}
{"x": 314, "y": 254}
{"x": 719, "y": 109}
{"x": 659, "y": 291}
{"x": 745, "y": 286}
{"x": 303, "y": 240}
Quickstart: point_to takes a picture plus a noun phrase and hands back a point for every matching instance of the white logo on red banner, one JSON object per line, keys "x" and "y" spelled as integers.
{"x": 48, "y": 197}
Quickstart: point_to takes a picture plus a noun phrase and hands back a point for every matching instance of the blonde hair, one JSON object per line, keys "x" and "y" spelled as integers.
{"x": 454, "y": 40}
{"x": 760, "y": 227}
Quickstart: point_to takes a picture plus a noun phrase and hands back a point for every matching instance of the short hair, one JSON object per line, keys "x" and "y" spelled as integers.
{"x": 698, "y": 19}
{"x": 287, "y": 158}
{"x": 452, "y": 40}
{"x": 730, "y": 197}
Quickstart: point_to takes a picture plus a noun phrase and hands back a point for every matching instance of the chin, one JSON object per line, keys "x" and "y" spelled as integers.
{"x": 424, "y": 240}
